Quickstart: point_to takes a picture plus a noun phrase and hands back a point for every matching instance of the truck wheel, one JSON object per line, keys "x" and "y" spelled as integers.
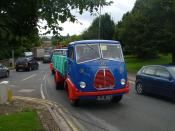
{"x": 73, "y": 102}
{"x": 117, "y": 99}
{"x": 57, "y": 85}
{"x": 53, "y": 72}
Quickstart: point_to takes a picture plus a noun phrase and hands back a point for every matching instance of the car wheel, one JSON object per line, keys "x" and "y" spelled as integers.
{"x": 30, "y": 68}
{"x": 116, "y": 99}
{"x": 139, "y": 88}
{"x": 17, "y": 70}
{"x": 7, "y": 74}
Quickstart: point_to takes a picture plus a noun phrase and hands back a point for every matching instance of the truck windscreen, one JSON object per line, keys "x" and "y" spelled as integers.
{"x": 89, "y": 52}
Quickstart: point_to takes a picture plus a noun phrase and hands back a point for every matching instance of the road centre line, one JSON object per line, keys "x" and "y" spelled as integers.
{"x": 42, "y": 93}
{"x": 28, "y": 77}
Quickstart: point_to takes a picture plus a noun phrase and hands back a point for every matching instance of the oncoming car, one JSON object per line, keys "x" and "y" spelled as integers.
{"x": 26, "y": 64}
{"x": 156, "y": 79}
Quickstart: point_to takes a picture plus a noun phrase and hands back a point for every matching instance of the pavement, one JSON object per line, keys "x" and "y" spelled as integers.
{"x": 134, "y": 113}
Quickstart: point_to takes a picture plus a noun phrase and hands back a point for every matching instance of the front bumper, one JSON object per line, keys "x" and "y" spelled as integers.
{"x": 74, "y": 93}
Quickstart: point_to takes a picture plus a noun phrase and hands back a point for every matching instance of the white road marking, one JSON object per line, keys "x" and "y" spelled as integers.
{"x": 44, "y": 77}
{"x": 26, "y": 90}
{"x": 28, "y": 77}
{"x": 42, "y": 93}
{"x": 4, "y": 82}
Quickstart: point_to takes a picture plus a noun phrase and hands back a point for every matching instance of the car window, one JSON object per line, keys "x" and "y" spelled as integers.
{"x": 149, "y": 70}
{"x": 162, "y": 73}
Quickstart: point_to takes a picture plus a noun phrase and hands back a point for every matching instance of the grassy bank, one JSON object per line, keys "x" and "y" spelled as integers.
{"x": 22, "y": 121}
{"x": 133, "y": 64}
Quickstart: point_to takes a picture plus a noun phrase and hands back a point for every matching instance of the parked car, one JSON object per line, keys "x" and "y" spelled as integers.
{"x": 26, "y": 64}
{"x": 156, "y": 79}
{"x": 4, "y": 71}
{"x": 46, "y": 58}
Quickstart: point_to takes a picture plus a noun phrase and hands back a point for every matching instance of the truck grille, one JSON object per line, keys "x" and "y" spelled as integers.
{"x": 104, "y": 79}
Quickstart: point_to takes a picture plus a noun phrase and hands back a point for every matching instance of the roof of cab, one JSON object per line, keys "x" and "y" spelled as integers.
{"x": 94, "y": 41}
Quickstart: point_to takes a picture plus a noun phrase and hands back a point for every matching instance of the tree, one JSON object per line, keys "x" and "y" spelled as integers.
{"x": 149, "y": 28}
{"x": 18, "y": 25}
{"x": 106, "y": 30}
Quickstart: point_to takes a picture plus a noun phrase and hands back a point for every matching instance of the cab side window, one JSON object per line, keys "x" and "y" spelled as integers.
{"x": 149, "y": 71}
{"x": 71, "y": 54}
{"x": 163, "y": 73}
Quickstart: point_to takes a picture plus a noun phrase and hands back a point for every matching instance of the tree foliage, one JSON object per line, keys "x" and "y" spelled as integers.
{"x": 18, "y": 20}
{"x": 149, "y": 28}
{"x": 106, "y": 28}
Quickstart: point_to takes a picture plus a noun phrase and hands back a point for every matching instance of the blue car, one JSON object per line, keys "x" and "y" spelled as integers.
{"x": 156, "y": 79}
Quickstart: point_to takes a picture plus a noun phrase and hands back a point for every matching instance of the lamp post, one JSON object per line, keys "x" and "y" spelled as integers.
{"x": 99, "y": 24}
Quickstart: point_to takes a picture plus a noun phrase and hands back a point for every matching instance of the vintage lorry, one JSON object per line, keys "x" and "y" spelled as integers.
{"x": 92, "y": 69}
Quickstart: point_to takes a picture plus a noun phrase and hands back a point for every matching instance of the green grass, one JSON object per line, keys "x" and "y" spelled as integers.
{"x": 133, "y": 64}
{"x": 23, "y": 121}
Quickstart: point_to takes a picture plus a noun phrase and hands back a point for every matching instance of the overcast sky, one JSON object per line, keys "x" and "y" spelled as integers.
{"x": 116, "y": 10}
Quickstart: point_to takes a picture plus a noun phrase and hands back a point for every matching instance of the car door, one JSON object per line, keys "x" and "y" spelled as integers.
{"x": 2, "y": 71}
{"x": 162, "y": 84}
{"x": 148, "y": 75}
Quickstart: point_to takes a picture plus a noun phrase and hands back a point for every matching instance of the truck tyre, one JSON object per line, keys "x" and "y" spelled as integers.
{"x": 73, "y": 102}
{"x": 116, "y": 99}
{"x": 53, "y": 72}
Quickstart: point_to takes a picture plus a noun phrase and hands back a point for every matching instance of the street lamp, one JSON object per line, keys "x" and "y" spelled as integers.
{"x": 99, "y": 24}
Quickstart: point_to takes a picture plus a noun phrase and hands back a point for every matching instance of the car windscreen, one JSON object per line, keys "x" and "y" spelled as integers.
{"x": 172, "y": 70}
{"x": 88, "y": 52}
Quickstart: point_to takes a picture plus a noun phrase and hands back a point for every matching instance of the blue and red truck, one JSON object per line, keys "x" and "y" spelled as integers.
{"x": 91, "y": 69}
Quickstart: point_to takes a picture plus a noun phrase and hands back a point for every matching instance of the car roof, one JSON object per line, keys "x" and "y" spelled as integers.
{"x": 165, "y": 66}
{"x": 94, "y": 41}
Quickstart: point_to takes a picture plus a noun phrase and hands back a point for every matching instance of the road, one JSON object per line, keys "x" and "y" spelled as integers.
{"x": 133, "y": 113}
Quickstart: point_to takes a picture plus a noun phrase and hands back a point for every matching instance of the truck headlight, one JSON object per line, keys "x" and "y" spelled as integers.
{"x": 82, "y": 84}
{"x": 123, "y": 81}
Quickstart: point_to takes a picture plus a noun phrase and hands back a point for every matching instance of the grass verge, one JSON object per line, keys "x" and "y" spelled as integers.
{"x": 133, "y": 64}
{"x": 22, "y": 121}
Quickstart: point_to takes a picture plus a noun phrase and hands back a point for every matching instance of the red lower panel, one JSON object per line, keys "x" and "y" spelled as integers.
{"x": 74, "y": 93}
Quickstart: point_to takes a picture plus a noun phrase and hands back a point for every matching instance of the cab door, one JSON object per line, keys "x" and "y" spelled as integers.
{"x": 71, "y": 62}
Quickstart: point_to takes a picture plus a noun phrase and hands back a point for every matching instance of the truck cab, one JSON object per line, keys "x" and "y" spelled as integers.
{"x": 96, "y": 70}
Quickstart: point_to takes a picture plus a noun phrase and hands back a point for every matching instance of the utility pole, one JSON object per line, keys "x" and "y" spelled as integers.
{"x": 99, "y": 33}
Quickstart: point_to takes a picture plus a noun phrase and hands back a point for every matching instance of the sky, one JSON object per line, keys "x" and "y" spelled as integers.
{"x": 116, "y": 10}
